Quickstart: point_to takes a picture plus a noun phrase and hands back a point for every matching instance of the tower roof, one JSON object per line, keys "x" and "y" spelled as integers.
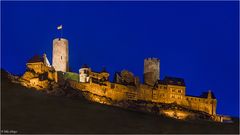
{"x": 36, "y": 58}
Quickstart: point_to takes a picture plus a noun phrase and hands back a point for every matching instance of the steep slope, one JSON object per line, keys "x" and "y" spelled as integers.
{"x": 29, "y": 111}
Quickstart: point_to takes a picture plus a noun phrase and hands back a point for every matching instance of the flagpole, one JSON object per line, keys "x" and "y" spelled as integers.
{"x": 61, "y": 33}
{"x": 60, "y": 28}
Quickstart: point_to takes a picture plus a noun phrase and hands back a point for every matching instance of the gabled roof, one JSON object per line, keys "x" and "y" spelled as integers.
{"x": 172, "y": 81}
{"x": 205, "y": 95}
{"x": 36, "y": 58}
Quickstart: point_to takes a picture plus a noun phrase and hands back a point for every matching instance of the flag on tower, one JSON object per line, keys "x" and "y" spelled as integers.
{"x": 59, "y": 27}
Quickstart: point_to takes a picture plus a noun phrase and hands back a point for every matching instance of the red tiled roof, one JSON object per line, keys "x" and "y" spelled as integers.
{"x": 35, "y": 59}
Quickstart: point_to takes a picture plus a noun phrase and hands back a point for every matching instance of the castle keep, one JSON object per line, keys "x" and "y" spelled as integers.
{"x": 151, "y": 71}
{"x": 60, "y": 54}
{"x": 124, "y": 87}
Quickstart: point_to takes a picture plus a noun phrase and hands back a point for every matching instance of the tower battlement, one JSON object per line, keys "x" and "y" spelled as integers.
{"x": 152, "y": 59}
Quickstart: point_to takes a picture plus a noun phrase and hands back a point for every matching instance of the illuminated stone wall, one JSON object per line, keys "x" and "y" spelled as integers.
{"x": 163, "y": 94}
{"x": 39, "y": 85}
{"x": 37, "y": 67}
{"x": 203, "y": 104}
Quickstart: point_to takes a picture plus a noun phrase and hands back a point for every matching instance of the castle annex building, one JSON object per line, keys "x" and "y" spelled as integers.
{"x": 124, "y": 87}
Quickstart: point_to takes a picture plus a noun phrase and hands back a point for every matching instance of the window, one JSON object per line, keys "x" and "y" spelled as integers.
{"x": 173, "y": 90}
{"x": 61, "y": 57}
{"x": 179, "y": 91}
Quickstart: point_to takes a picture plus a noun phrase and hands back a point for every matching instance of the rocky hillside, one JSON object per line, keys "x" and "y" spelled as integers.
{"x": 26, "y": 110}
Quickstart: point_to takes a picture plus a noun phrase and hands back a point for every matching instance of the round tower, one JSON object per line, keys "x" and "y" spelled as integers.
{"x": 60, "y": 54}
{"x": 151, "y": 71}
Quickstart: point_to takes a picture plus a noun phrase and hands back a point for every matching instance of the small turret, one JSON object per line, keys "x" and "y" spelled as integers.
{"x": 45, "y": 60}
{"x": 209, "y": 94}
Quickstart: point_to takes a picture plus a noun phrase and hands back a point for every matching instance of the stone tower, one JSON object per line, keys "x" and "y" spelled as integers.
{"x": 151, "y": 70}
{"x": 60, "y": 54}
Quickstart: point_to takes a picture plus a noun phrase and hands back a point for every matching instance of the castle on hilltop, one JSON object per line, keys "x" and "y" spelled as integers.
{"x": 124, "y": 87}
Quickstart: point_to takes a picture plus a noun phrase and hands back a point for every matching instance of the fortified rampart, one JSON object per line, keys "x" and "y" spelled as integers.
{"x": 162, "y": 94}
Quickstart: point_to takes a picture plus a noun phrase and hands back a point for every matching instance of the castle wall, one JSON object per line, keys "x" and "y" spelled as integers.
{"x": 60, "y": 58}
{"x": 201, "y": 104}
{"x": 163, "y": 94}
{"x": 39, "y": 85}
{"x": 38, "y": 67}
{"x": 151, "y": 70}
{"x": 111, "y": 90}
{"x": 52, "y": 76}
{"x": 145, "y": 93}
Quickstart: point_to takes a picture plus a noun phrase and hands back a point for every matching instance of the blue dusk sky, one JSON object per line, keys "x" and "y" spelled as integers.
{"x": 197, "y": 41}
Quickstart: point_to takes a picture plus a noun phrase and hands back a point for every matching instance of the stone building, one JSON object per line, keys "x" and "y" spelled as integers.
{"x": 38, "y": 73}
{"x": 167, "y": 90}
{"x": 60, "y": 58}
{"x": 39, "y": 64}
{"x": 84, "y": 73}
{"x": 126, "y": 78}
{"x": 151, "y": 71}
{"x": 87, "y": 75}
